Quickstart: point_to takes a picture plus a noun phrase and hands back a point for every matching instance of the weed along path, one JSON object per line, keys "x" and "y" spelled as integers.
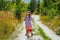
{"x": 47, "y": 31}
{"x": 40, "y": 31}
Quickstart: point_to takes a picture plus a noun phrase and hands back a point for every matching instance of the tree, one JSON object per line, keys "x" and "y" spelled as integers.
{"x": 38, "y": 7}
{"x": 58, "y": 8}
{"x": 47, "y": 3}
{"x": 6, "y": 5}
{"x": 1, "y": 4}
{"x": 32, "y": 6}
{"x": 24, "y": 6}
{"x": 13, "y": 1}
{"x": 18, "y": 9}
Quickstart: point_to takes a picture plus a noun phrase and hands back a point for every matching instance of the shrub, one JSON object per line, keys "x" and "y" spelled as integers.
{"x": 58, "y": 31}
{"x": 7, "y": 24}
{"x": 51, "y": 14}
{"x": 52, "y": 24}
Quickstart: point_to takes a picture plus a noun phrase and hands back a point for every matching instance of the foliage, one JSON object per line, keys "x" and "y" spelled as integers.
{"x": 18, "y": 9}
{"x": 6, "y": 5}
{"x": 43, "y": 34}
{"x": 41, "y": 31}
{"x": 1, "y": 4}
{"x": 24, "y": 6}
{"x": 58, "y": 30}
{"x": 50, "y": 13}
{"x": 32, "y": 6}
{"x": 38, "y": 7}
{"x": 51, "y": 23}
{"x": 7, "y": 24}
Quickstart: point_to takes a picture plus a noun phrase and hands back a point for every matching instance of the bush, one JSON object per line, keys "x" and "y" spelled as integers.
{"x": 58, "y": 31}
{"x": 51, "y": 14}
{"x": 7, "y": 24}
{"x": 5, "y": 30}
{"x": 52, "y": 24}
{"x": 7, "y": 5}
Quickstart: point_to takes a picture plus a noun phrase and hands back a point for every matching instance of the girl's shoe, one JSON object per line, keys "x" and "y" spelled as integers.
{"x": 25, "y": 34}
{"x": 31, "y": 34}
{"x": 28, "y": 36}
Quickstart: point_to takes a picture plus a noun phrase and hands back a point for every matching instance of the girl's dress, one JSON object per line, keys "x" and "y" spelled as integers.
{"x": 28, "y": 25}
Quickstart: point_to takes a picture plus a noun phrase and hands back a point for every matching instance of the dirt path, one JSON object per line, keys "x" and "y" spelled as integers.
{"x": 21, "y": 35}
{"x": 49, "y": 33}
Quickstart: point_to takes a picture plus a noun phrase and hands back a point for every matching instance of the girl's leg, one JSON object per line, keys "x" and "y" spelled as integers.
{"x": 26, "y": 31}
{"x": 28, "y": 34}
{"x": 31, "y": 32}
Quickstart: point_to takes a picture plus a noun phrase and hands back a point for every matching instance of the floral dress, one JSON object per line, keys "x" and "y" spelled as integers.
{"x": 28, "y": 25}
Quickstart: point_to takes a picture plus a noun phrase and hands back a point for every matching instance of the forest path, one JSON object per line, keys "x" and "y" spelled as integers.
{"x": 48, "y": 32}
{"x": 21, "y": 35}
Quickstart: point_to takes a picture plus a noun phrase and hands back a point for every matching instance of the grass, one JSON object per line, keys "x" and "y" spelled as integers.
{"x": 52, "y": 24}
{"x": 23, "y": 14}
{"x": 5, "y": 30}
{"x": 41, "y": 32}
{"x": 7, "y": 24}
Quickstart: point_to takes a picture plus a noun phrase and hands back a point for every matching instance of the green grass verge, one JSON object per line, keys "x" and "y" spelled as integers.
{"x": 43, "y": 34}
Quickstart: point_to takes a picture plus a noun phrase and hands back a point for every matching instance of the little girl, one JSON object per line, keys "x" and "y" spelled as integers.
{"x": 28, "y": 25}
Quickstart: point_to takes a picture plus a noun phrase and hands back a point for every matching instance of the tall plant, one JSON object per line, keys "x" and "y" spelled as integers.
{"x": 18, "y": 9}
{"x": 1, "y": 4}
{"x": 38, "y": 7}
{"x": 32, "y": 5}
